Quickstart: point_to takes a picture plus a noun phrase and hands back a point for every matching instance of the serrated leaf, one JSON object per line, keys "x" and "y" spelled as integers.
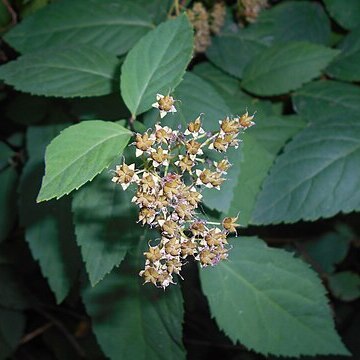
{"x": 156, "y": 64}
{"x": 63, "y": 72}
{"x": 261, "y": 145}
{"x": 105, "y": 24}
{"x": 222, "y": 82}
{"x": 196, "y": 97}
{"x": 324, "y": 100}
{"x": 105, "y": 225}
{"x": 273, "y": 131}
{"x": 138, "y": 322}
{"x": 286, "y": 67}
{"x": 345, "y": 285}
{"x": 48, "y": 227}
{"x": 233, "y": 51}
{"x": 229, "y": 88}
{"x": 270, "y": 302}
{"x": 220, "y": 200}
{"x": 347, "y": 16}
{"x": 253, "y": 168}
{"x": 298, "y": 186}
{"x": 157, "y": 9}
{"x": 292, "y": 21}
{"x": 78, "y": 154}
{"x": 251, "y": 164}
{"x": 347, "y": 65}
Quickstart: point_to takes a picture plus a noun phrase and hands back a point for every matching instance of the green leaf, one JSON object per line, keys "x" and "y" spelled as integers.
{"x": 283, "y": 68}
{"x": 345, "y": 285}
{"x": 157, "y": 9}
{"x": 254, "y": 167}
{"x": 48, "y": 227}
{"x": 273, "y": 131}
{"x": 330, "y": 249}
{"x": 105, "y": 24}
{"x": 196, "y": 97}
{"x": 251, "y": 164}
{"x": 270, "y": 302}
{"x": 138, "y": 322}
{"x": 220, "y": 200}
{"x": 156, "y": 64}
{"x": 63, "y": 72}
{"x": 347, "y": 65}
{"x": 241, "y": 102}
{"x": 105, "y": 225}
{"x": 8, "y": 184}
{"x": 223, "y": 83}
{"x": 78, "y": 154}
{"x": 292, "y": 21}
{"x": 233, "y": 51}
{"x": 229, "y": 88}
{"x": 348, "y": 16}
{"x": 298, "y": 186}
{"x": 325, "y": 100}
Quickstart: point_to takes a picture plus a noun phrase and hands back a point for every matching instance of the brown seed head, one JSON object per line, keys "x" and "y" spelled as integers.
{"x": 206, "y": 257}
{"x": 143, "y": 142}
{"x": 229, "y": 224}
{"x": 159, "y": 155}
{"x": 195, "y": 126}
{"x": 166, "y": 103}
{"x": 150, "y": 274}
{"x": 172, "y": 247}
{"x": 153, "y": 254}
{"x": 230, "y": 126}
{"x": 193, "y": 147}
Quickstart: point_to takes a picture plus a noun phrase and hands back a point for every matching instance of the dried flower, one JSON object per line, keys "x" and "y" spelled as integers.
{"x": 252, "y": 9}
{"x": 165, "y": 104}
{"x": 199, "y": 18}
{"x": 217, "y": 17}
{"x": 173, "y": 172}
{"x": 125, "y": 175}
{"x": 229, "y": 224}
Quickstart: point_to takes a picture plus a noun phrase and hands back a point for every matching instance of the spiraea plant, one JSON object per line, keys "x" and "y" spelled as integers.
{"x": 174, "y": 169}
{"x": 268, "y": 245}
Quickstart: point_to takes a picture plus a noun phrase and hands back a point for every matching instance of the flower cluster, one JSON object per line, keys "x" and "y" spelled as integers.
{"x": 251, "y": 9}
{"x": 205, "y": 23}
{"x": 168, "y": 193}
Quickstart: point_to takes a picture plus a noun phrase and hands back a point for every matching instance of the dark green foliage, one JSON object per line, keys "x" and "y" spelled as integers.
{"x": 71, "y": 246}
